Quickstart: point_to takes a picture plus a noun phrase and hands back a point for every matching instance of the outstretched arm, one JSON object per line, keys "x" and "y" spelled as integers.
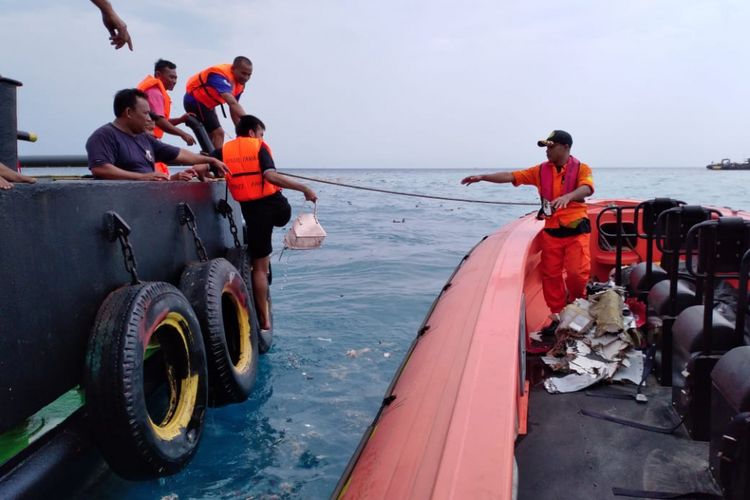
{"x": 497, "y": 177}
{"x": 107, "y": 171}
{"x": 118, "y": 30}
{"x": 235, "y": 108}
{"x": 168, "y": 127}
{"x": 191, "y": 158}
{"x": 285, "y": 182}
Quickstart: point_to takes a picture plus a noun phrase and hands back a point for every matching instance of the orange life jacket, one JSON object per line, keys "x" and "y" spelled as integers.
{"x": 245, "y": 179}
{"x": 146, "y": 84}
{"x": 161, "y": 168}
{"x": 547, "y": 177}
{"x": 198, "y": 87}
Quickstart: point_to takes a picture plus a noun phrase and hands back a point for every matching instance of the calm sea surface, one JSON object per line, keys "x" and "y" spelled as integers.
{"x": 346, "y": 313}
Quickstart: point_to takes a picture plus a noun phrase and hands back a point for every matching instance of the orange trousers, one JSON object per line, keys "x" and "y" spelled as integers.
{"x": 571, "y": 254}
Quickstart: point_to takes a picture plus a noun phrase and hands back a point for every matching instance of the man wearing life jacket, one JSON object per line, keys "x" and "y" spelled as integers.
{"x": 255, "y": 183}
{"x": 563, "y": 183}
{"x": 214, "y": 86}
{"x": 156, "y": 87}
{"x": 122, "y": 150}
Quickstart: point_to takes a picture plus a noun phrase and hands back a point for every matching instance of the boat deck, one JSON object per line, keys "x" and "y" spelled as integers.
{"x": 565, "y": 451}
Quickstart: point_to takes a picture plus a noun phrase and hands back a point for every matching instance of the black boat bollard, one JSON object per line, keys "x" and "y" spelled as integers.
{"x": 8, "y": 123}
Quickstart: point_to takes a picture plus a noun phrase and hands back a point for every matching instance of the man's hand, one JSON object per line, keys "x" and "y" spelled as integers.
{"x": 186, "y": 175}
{"x": 562, "y": 201}
{"x": 5, "y": 184}
{"x": 187, "y": 138}
{"x": 472, "y": 179}
{"x": 220, "y": 166}
{"x": 117, "y": 28}
{"x": 310, "y": 195}
{"x": 154, "y": 176}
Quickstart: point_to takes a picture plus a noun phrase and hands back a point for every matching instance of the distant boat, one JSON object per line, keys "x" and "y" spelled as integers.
{"x": 726, "y": 164}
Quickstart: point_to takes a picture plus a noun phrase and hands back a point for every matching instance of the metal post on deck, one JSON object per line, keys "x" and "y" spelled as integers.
{"x": 8, "y": 123}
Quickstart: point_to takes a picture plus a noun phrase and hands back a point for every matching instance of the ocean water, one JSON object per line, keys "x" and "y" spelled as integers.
{"x": 345, "y": 315}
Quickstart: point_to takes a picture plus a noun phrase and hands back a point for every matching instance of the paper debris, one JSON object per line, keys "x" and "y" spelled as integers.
{"x": 595, "y": 341}
{"x": 574, "y": 318}
{"x": 570, "y": 383}
{"x": 606, "y": 309}
{"x": 633, "y": 371}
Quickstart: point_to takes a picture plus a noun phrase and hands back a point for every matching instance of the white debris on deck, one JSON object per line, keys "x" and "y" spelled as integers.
{"x": 596, "y": 340}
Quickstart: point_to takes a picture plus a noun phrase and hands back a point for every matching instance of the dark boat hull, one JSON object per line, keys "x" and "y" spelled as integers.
{"x": 58, "y": 266}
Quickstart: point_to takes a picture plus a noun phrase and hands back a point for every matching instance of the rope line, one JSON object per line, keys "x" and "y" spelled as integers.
{"x": 415, "y": 195}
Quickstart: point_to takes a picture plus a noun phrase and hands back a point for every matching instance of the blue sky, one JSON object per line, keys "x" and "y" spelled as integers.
{"x": 411, "y": 83}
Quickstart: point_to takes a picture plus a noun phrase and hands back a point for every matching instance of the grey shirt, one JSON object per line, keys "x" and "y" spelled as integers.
{"x": 134, "y": 153}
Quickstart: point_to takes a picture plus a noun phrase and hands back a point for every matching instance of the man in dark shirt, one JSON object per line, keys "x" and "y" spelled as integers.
{"x": 122, "y": 149}
{"x": 263, "y": 205}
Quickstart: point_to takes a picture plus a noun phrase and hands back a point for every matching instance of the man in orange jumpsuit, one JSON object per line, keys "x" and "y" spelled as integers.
{"x": 563, "y": 183}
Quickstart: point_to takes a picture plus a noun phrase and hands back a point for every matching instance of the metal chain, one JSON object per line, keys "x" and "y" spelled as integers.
{"x": 199, "y": 247}
{"x": 128, "y": 257}
{"x": 187, "y": 217}
{"x": 233, "y": 230}
{"x": 226, "y": 211}
{"x": 115, "y": 228}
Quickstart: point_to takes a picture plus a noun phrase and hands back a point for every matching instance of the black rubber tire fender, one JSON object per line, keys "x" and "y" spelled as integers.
{"x": 114, "y": 381}
{"x": 240, "y": 259}
{"x": 226, "y": 313}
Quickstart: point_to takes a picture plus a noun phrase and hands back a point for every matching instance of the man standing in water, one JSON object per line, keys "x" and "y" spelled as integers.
{"x": 155, "y": 87}
{"x": 563, "y": 183}
{"x": 214, "y": 86}
{"x": 254, "y": 182}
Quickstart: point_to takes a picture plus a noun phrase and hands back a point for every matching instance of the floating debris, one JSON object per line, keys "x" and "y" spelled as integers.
{"x": 354, "y": 353}
{"x": 596, "y": 340}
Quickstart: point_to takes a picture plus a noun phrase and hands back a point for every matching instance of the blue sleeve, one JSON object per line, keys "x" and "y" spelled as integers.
{"x": 101, "y": 148}
{"x": 162, "y": 152}
{"x": 220, "y": 83}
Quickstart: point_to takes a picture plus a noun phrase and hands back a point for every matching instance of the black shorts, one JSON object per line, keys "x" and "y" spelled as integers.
{"x": 260, "y": 218}
{"x": 207, "y": 116}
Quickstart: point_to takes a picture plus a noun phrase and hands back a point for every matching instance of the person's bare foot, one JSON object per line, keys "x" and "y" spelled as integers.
{"x": 16, "y": 177}
{"x": 7, "y": 174}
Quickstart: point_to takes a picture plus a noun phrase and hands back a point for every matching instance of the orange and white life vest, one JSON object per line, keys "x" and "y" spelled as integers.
{"x": 198, "y": 87}
{"x": 245, "y": 179}
{"x": 147, "y": 83}
{"x": 547, "y": 176}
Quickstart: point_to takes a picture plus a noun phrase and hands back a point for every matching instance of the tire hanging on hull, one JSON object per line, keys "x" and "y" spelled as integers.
{"x": 225, "y": 310}
{"x": 240, "y": 259}
{"x": 145, "y": 434}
